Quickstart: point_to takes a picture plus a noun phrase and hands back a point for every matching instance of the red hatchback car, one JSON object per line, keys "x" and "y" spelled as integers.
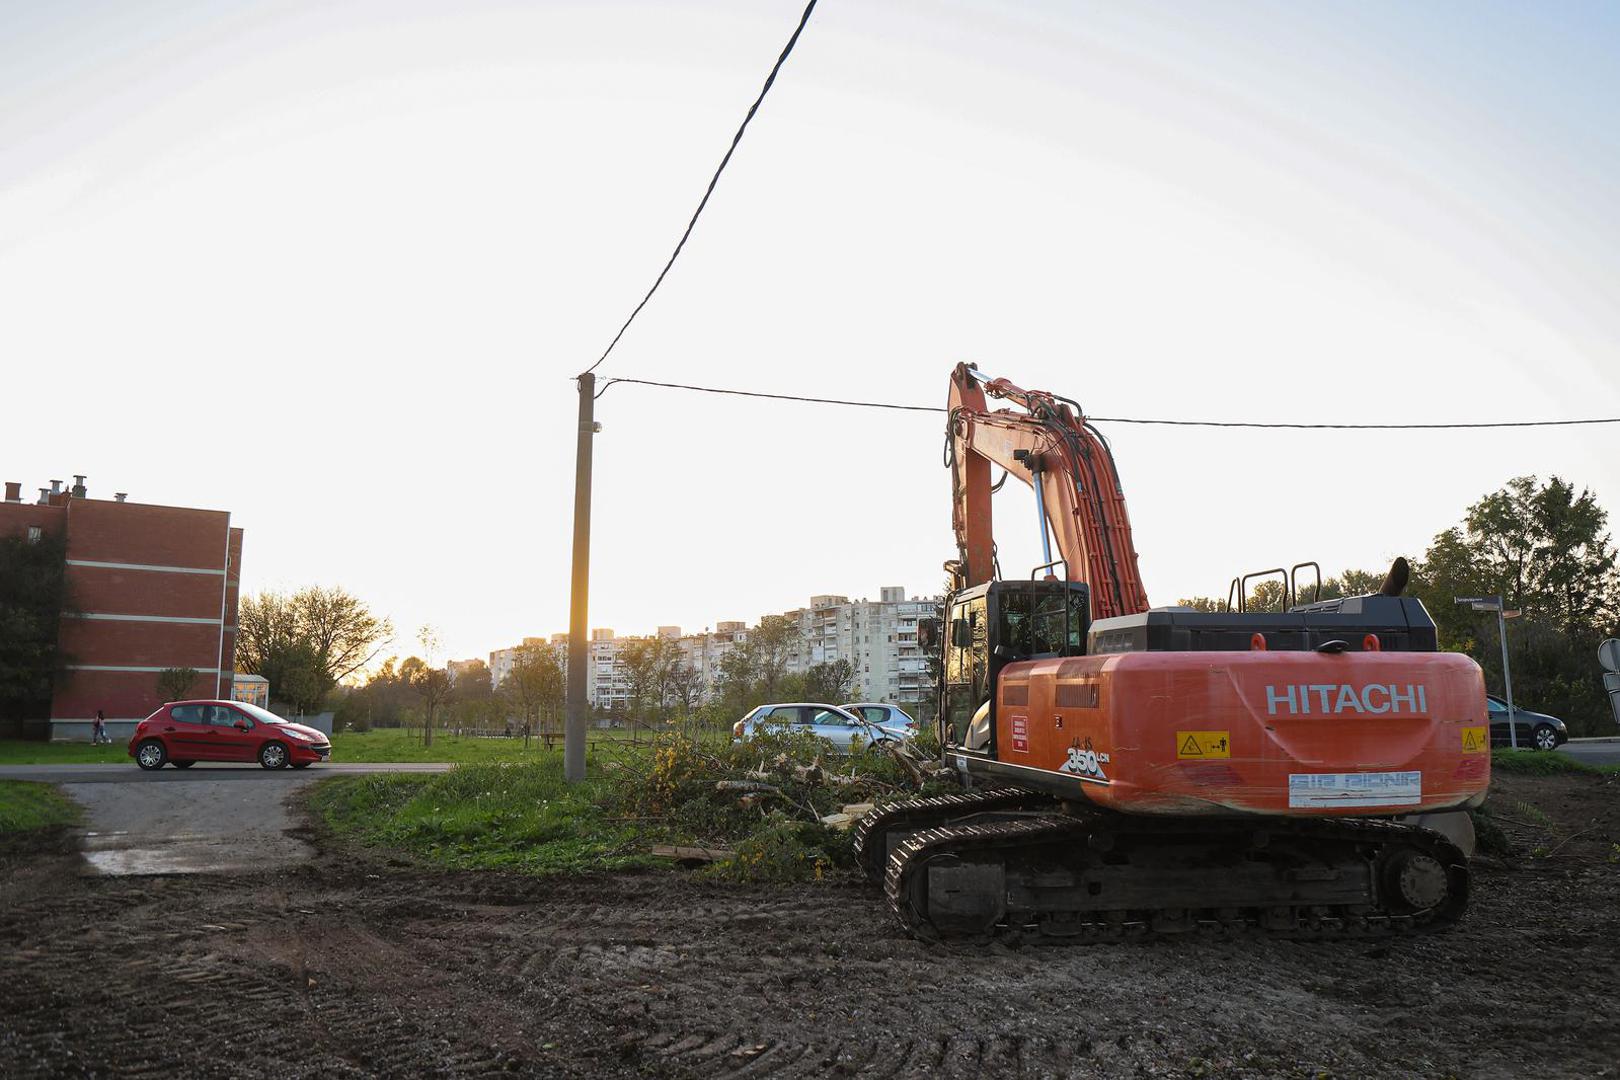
{"x": 183, "y": 733}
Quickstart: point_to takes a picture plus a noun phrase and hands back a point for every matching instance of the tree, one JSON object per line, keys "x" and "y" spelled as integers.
{"x": 536, "y": 686}
{"x": 685, "y": 686}
{"x": 739, "y": 682}
{"x": 772, "y": 643}
{"x": 472, "y": 682}
{"x": 428, "y": 679}
{"x": 174, "y": 684}
{"x": 1548, "y": 552}
{"x": 831, "y": 682}
{"x": 648, "y": 664}
{"x": 1548, "y": 549}
{"x": 379, "y": 702}
{"x": 33, "y": 598}
{"x": 1267, "y": 594}
{"x": 305, "y": 643}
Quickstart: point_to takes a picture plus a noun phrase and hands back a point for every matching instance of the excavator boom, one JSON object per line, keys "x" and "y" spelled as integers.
{"x": 1048, "y": 445}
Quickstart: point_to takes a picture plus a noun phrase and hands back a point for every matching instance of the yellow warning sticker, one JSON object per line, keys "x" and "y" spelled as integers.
{"x": 1474, "y": 740}
{"x": 1203, "y": 744}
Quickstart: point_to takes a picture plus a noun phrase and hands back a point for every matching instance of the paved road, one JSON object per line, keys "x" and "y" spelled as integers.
{"x": 131, "y": 773}
{"x": 209, "y": 818}
{"x": 1596, "y": 752}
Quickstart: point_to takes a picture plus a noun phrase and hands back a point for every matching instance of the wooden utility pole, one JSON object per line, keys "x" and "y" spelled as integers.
{"x": 574, "y": 726}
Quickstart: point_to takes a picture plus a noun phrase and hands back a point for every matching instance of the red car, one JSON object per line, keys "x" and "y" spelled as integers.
{"x": 186, "y": 732}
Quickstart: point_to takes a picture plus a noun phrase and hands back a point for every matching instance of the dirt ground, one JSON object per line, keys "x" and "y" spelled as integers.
{"x": 350, "y": 966}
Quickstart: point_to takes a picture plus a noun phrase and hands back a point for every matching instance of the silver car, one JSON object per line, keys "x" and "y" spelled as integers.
{"x": 890, "y": 718}
{"x": 846, "y": 730}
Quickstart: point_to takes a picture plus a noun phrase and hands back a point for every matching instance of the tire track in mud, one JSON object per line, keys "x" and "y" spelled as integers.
{"x": 405, "y": 974}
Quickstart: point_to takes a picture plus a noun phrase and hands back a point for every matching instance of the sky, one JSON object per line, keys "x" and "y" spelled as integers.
{"x": 333, "y": 266}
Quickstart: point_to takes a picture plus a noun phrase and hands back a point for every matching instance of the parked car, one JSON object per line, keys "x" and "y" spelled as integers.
{"x": 1535, "y": 730}
{"x": 842, "y": 728}
{"x": 886, "y": 716}
{"x": 183, "y": 733}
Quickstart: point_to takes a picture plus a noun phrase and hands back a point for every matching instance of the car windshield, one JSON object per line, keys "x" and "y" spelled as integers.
{"x": 263, "y": 716}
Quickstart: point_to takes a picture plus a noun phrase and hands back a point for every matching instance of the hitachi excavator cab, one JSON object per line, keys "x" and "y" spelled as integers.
{"x": 995, "y": 624}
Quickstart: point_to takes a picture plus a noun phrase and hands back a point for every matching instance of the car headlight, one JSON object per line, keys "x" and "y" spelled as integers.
{"x": 299, "y": 735}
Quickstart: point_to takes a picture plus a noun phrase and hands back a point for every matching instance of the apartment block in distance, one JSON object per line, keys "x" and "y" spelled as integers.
{"x": 149, "y": 587}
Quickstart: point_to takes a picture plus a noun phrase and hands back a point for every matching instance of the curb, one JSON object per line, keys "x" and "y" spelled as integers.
{"x": 1597, "y": 739}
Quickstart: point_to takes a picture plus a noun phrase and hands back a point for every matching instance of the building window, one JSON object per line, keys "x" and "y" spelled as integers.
{"x": 34, "y": 534}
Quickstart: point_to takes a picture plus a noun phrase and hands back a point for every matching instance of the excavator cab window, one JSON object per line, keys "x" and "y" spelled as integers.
{"x": 967, "y": 670}
{"x": 1000, "y": 622}
{"x": 1041, "y": 619}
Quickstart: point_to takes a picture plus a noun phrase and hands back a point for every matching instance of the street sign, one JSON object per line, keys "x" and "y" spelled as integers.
{"x": 1609, "y": 654}
{"x": 1491, "y": 602}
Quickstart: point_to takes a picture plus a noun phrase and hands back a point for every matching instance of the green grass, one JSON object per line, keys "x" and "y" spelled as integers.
{"x": 697, "y": 790}
{"x": 397, "y": 744}
{"x": 388, "y": 744}
{"x": 499, "y": 816}
{"x": 38, "y": 752}
{"x": 1541, "y": 763}
{"x": 26, "y": 806}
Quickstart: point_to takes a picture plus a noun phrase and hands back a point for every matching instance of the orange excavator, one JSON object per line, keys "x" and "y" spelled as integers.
{"x": 1131, "y": 770}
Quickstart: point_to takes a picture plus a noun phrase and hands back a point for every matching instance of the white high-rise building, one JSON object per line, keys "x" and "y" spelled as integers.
{"x": 877, "y": 637}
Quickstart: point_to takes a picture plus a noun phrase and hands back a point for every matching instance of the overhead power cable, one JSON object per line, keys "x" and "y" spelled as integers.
{"x": 778, "y": 397}
{"x": 735, "y": 139}
{"x": 1129, "y": 419}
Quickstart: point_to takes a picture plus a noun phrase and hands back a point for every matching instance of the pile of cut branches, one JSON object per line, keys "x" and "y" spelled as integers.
{"x": 777, "y": 806}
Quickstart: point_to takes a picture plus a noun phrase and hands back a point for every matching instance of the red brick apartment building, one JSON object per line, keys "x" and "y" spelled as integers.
{"x": 150, "y": 587}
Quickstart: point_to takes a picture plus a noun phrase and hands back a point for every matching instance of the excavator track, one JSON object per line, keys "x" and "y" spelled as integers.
{"x": 1085, "y": 875}
{"x": 876, "y": 832}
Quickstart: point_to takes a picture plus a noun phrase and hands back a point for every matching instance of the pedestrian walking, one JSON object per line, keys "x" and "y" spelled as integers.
{"x": 99, "y": 734}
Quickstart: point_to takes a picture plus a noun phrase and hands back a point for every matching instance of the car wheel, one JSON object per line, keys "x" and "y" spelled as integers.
{"x": 1546, "y": 738}
{"x": 272, "y": 755}
{"x": 151, "y": 755}
{"x": 300, "y": 764}
{"x": 182, "y": 764}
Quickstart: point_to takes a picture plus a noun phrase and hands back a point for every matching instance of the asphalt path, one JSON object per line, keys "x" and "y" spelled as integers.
{"x": 133, "y": 774}
{"x": 1593, "y": 751}
{"x": 205, "y": 819}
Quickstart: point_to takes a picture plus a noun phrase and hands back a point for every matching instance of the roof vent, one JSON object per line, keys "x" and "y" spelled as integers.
{"x": 120, "y": 496}
{"x": 79, "y": 490}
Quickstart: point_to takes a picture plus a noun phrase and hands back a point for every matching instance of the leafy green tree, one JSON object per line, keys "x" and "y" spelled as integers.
{"x": 431, "y": 686}
{"x": 307, "y": 642}
{"x": 33, "y": 598}
{"x": 648, "y": 663}
{"x": 174, "y": 684}
{"x": 379, "y": 702}
{"x": 472, "y": 682}
{"x": 536, "y": 688}
{"x": 772, "y": 643}
{"x": 738, "y": 683}
{"x": 830, "y": 682}
{"x": 1547, "y": 551}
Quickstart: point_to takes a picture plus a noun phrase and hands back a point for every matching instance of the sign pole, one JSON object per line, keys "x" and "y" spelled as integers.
{"x": 1507, "y": 676}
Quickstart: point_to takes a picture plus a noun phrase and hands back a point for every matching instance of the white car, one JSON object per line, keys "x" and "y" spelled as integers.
{"x": 841, "y": 727}
{"x": 890, "y": 718}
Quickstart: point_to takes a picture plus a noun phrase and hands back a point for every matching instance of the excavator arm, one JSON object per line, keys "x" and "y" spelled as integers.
{"x": 1048, "y": 444}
